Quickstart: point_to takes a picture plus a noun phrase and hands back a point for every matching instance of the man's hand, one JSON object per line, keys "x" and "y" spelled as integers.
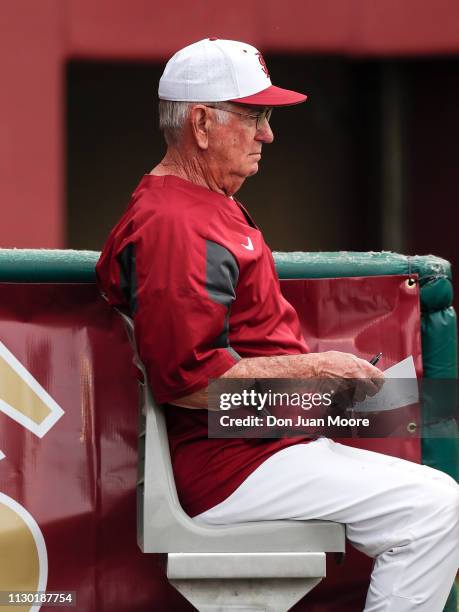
{"x": 348, "y": 373}
{"x": 340, "y": 371}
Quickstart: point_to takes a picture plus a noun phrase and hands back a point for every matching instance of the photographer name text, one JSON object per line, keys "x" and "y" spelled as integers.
{"x": 300, "y": 421}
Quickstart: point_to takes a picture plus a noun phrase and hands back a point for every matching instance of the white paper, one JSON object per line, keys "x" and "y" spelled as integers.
{"x": 402, "y": 369}
{"x": 400, "y": 389}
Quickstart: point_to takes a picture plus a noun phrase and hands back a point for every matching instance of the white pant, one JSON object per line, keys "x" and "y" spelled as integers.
{"x": 404, "y": 515}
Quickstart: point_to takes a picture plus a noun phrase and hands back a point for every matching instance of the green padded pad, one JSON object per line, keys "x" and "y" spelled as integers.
{"x": 34, "y": 265}
{"x": 436, "y": 293}
{"x": 47, "y": 266}
{"x": 356, "y": 263}
{"x": 439, "y": 343}
{"x": 442, "y": 444}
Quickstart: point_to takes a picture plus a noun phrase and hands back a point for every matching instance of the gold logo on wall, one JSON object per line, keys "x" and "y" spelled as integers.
{"x": 23, "y": 398}
{"x": 23, "y": 556}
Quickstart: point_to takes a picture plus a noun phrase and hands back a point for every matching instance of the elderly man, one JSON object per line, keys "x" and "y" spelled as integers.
{"x": 189, "y": 264}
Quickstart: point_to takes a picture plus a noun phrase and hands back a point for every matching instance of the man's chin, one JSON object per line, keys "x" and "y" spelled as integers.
{"x": 254, "y": 169}
{"x": 240, "y": 178}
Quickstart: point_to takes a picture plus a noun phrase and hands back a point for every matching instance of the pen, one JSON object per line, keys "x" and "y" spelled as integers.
{"x": 374, "y": 360}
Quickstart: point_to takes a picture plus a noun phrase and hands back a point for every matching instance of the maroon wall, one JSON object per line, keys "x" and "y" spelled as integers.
{"x": 36, "y": 40}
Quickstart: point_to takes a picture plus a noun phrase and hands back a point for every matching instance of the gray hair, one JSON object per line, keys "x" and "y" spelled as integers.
{"x": 172, "y": 117}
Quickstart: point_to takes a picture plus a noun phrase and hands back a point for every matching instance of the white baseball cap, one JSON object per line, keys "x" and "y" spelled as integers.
{"x": 215, "y": 70}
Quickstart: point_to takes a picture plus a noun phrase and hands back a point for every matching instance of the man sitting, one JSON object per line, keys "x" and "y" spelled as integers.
{"x": 189, "y": 264}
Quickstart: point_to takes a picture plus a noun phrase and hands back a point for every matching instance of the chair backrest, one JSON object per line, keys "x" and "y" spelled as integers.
{"x": 163, "y": 526}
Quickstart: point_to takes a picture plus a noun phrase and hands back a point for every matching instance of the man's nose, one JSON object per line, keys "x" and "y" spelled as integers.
{"x": 265, "y": 133}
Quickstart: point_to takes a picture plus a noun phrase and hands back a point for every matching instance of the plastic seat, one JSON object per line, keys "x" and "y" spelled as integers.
{"x": 267, "y": 565}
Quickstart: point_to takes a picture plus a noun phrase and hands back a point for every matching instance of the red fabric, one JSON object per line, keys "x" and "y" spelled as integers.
{"x": 78, "y": 481}
{"x": 169, "y": 221}
{"x": 360, "y": 315}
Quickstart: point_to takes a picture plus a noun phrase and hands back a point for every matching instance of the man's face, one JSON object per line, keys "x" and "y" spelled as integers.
{"x": 235, "y": 147}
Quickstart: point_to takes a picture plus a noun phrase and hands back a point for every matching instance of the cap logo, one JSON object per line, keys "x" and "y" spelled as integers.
{"x": 264, "y": 67}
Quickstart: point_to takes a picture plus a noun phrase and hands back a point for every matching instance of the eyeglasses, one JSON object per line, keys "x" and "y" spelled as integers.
{"x": 260, "y": 118}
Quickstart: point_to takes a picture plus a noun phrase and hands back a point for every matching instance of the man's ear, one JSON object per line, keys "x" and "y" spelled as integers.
{"x": 200, "y": 120}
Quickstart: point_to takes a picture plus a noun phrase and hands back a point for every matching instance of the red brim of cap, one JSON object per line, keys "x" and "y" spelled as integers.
{"x": 273, "y": 96}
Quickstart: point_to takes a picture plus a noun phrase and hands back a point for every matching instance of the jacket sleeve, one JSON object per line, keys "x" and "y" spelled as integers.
{"x": 179, "y": 286}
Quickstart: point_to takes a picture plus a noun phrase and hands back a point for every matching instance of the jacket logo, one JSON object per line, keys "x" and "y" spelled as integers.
{"x": 249, "y": 245}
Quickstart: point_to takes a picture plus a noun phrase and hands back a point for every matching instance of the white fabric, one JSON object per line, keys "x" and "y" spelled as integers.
{"x": 213, "y": 70}
{"x": 404, "y": 515}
